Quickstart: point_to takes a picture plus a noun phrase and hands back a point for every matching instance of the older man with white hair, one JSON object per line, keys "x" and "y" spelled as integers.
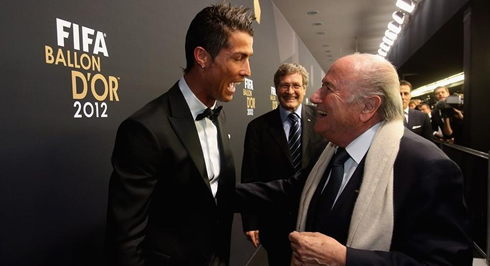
{"x": 373, "y": 207}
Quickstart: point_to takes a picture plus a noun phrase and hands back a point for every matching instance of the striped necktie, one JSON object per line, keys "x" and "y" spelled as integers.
{"x": 294, "y": 141}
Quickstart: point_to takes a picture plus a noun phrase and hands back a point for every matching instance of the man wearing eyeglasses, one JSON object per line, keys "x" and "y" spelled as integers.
{"x": 279, "y": 144}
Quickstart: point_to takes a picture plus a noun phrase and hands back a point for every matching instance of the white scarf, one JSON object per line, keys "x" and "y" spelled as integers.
{"x": 371, "y": 225}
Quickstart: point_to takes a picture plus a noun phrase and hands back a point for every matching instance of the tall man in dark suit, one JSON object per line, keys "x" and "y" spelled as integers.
{"x": 383, "y": 210}
{"x": 267, "y": 156}
{"x": 415, "y": 120}
{"x": 173, "y": 167}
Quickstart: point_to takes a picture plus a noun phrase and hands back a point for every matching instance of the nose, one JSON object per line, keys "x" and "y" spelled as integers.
{"x": 246, "y": 72}
{"x": 316, "y": 98}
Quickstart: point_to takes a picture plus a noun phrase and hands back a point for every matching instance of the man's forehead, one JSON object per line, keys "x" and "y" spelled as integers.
{"x": 405, "y": 88}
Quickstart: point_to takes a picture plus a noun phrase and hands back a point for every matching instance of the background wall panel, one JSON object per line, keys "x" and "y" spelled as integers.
{"x": 56, "y": 165}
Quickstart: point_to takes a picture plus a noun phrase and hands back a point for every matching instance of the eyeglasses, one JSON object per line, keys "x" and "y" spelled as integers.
{"x": 286, "y": 86}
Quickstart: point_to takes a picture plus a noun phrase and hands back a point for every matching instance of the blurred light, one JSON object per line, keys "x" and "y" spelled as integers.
{"x": 394, "y": 28}
{"x": 406, "y": 5}
{"x": 390, "y": 34}
{"x": 388, "y": 41}
{"x": 399, "y": 17}
{"x": 385, "y": 46}
{"x": 443, "y": 82}
{"x": 381, "y": 52}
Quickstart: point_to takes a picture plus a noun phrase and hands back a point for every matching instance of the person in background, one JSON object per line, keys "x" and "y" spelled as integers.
{"x": 268, "y": 155}
{"x": 424, "y": 107}
{"x": 172, "y": 160}
{"x": 415, "y": 120}
{"x": 445, "y": 118}
{"x": 413, "y": 103}
{"x": 364, "y": 202}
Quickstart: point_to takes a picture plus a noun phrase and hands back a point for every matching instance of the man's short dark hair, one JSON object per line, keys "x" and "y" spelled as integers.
{"x": 406, "y": 83}
{"x": 211, "y": 29}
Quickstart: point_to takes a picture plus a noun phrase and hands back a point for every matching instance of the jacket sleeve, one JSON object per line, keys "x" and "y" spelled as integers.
{"x": 431, "y": 220}
{"x": 135, "y": 159}
{"x": 427, "y": 127}
{"x": 250, "y": 173}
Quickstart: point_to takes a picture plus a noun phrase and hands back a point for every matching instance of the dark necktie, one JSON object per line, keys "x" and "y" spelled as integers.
{"x": 294, "y": 141}
{"x": 209, "y": 113}
{"x": 405, "y": 116}
{"x": 337, "y": 173}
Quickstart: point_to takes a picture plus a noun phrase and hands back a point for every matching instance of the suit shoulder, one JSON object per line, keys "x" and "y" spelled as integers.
{"x": 419, "y": 113}
{"x": 419, "y": 148}
{"x": 265, "y": 118}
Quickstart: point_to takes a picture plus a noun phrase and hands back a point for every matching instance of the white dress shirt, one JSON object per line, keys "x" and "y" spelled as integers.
{"x": 208, "y": 135}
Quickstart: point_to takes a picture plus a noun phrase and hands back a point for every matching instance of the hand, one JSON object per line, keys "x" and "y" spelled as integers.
{"x": 316, "y": 249}
{"x": 458, "y": 114}
{"x": 253, "y": 236}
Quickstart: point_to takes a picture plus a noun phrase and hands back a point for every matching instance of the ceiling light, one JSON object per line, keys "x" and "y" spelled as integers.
{"x": 391, "y": 35}
{"x": 385, "y": 46}
{"x": 394, "y": 28}
{"x": 444, "y": 82}
{"x": 406, "y": 5}
{"x": 399, "y": 17}
{"x": 388, "y": 40}
{"x": 381, "y": 52}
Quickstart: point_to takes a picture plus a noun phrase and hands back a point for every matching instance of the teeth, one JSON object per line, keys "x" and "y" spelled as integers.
{"x": 322, "y": 113}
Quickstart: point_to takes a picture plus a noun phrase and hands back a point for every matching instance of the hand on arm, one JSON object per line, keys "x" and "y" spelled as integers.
{"x": 253, "y": 236}
{"x": 458, "y": 114}
{"x": 316, "y": 249}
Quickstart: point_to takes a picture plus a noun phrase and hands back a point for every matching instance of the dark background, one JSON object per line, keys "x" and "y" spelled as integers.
{"x": 56, "y": 168}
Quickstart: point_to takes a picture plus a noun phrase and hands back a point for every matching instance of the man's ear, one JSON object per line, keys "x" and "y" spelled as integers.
{"x": 370, "y": 107}
{"x": 201, "y": 56}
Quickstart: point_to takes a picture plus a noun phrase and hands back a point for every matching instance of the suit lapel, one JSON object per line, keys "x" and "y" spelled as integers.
{"x": 308, "y": 117}
{"x": 226, "y": 155}
{"x": 185, "y": 128}
{"x": 410, "y": 119}
{"x": 276, "y": 130}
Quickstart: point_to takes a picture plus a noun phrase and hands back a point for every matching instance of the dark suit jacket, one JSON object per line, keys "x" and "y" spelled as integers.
{"x": 267, "y": 157}
{"x": 419, "y": 123}
{"x": 431, "y": 223}
{"x": 161, "y": 209}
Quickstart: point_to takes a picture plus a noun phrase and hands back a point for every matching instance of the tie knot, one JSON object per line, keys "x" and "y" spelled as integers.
{"x": 209, "y": 113}
{"x": 294, "y": 117}
{"x": 340, "y": 157}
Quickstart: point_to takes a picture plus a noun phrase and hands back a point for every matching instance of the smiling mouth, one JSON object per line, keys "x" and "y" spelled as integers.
{"x": 321, "y": 113}
{"x": 232, "y": 86}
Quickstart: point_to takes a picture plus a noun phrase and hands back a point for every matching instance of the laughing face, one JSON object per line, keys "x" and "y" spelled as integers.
{"x": 229, "y": 67}
{"x": 291, "y": 91}
{"x": 337, "y": 116}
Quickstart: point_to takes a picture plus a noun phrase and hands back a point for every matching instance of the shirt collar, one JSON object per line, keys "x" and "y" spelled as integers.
{"x": 359, "y": 147}
{"x": 284, "y": 113}
{"x": 195, "y": 105}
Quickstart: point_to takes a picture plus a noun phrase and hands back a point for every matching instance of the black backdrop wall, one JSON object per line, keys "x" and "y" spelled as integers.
{"x": 70, "y": 72}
